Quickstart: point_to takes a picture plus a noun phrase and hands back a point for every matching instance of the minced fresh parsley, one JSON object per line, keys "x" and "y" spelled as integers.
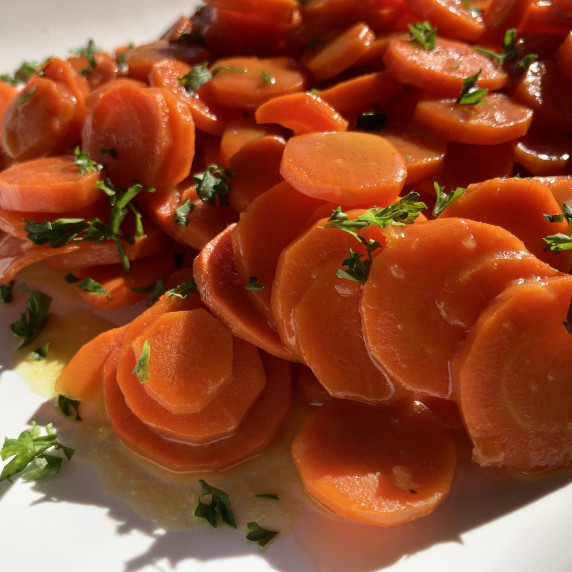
{"x": 141, "y": 369}
{"x": 217, "y": 510}
{"x": 34, "y": 319}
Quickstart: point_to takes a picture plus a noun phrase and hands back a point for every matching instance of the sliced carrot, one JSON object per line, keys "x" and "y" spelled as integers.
{"x": 544, "y": 153}
{"x": 302, "y": 113}
{"x": 104, "y": 71}
{"x": 452, "y": 19}
{"x": 308, "y": 389}
{"x": 167, "y": 72}
{"x": 246, "y": 83}
{"x": 140, "y": 134}
{"x": 442, "y": 69}
{"x": 382, "y": 465}
{"x": 498, "y": 120}
{"x": 256, "y": 168}
{"x": 347, "y": 168}
{"x": 341, "y": 53}
{"x": 330, "y": 340}
{"x": 256, "y": 431}
{"x": 560, "y": 187}
{"x": 501, "y": 15}
{"x": 8, "y": 92}
{"x": 223, "y": 292}
{"x": 398, "y": 304}
{"x": 217, "y": 419}
{"x": 209, "y": 115}
{"x": 517, "y": 409}
{"x": 542, "y": 18}
{"x": 519, "y": 205}
{"x": 82, "y": 377}
{"x": 563, "y": 56}
{"x": 273, "y": 11}
{"x": 271, "y": 222}
{"x": 50, "y": 184}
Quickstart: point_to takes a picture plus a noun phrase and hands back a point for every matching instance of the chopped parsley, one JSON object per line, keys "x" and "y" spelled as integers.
{"x": 84, "y": 163}
{"x": 424, "y": 34}
{"x": 22, "y": 74}
{"x": 559, "y": 242}
{"x": 141, "y": 369}
{"x": 194, "y": 79}
{"x": 267, "y": 79}
{"x": 218, "y": 508}
{"x": 471, "y": 94}
{"x": 182, "y": 212}
{"x": 443, "y": 199}
{"x": 214, "y": 185}
{"x": 69, "y": 407}
{"x": 88, "y": 52}
{"x": 254, "y": 285}
{"x": 261, "y": 536}
{"x": 7, "y": 292}
{"x": 41, "y": 353}
{"x": 33, "y": 321}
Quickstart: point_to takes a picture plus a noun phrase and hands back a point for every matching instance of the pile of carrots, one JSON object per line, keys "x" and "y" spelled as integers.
{"x": 360, "y": 206}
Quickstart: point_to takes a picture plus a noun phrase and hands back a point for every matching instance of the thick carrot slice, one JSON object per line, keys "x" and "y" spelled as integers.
{"x": 209, "y": 115}
{"x": 256, "y": 431}
{"x": 308, "y": 389}
{"x": 8, "y": 92}
{"x": 150, "y": 130}
{"x": 398, "y": 304}
{"x": 302, "y": 113}
{"x": 82, "y": 378}
{"x": 498, "y": 120}
{"x": 330, "y": 340}
{"x": 219, "y": 418}
{"x": 382, "y": 465}
{"x": 104, "y": 71}
{"x": 347, "y": 168}
{"x": 519, "y": 205}
{"x": 51, "y": 184}
{"x": 560, "y": 187}
{"x": 452, "y": 19}
{"x": 517, "y": 410}
{"x": 544, "y": 152}
{"x": 246, "y": 83}
{"x": 501, "y": 15}
{"x": 223, "y": 292}
{"x": 442, "y": 69}
{"x": 563, "y": 56}
{"x": 275, "y": 10}
{"x": 184, "y": 378}
{"x": 256, "y": 168}
{"x": 342, "y": 52}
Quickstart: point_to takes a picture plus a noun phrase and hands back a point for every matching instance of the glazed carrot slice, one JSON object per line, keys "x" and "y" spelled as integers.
{"x": 563, "y": 56}
{"x": 219, "y": 418}
{"x": 224, "y": 294}
{"x": 104, "y": 71}
{"x": 184, "y": 378}
{"x": 442, "y": 69}
{"x": 519, "y": 205}
{"x": 498, "y": 120}
{"x": 544, "y": 152}
{"x": 257, "y": 430}
{"x": 82, "y": 378}
{"x": 501, "y": 15}
{"x": 273, "y": 11}
{"x": 150, "y": 130}
{"x": 522, "y": 339}
{"x": 330, "y": 340}
{"x": 209, "y": 116}
{"x": 246, "y": 83}
{"x": 308, "y": 390}
{"x": 382, "y": 465}
{"x": 398, "y": 304}
{"x": 362, "y": 92}
{"x": 560, "y": 187}
{"x": 7, "y": 93}
{"x": 452, "y": 19}
{"x": 256, "y": 168}
{"x": 37, "y": 122}
{"x": 347, "y": 168}
{"x": 342, "y": 52}
{"x": 50, "y": 184}
{"x": 273, "y": 220}
{"x": 302, "y": 113}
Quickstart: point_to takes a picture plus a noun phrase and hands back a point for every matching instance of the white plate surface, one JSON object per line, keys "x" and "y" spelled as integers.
{"x": 488, "y": 523}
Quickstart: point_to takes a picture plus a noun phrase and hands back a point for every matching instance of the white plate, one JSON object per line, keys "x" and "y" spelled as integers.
{"x": 488, "y": 523}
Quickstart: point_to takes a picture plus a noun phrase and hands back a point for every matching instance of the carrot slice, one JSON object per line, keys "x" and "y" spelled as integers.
{"x": 246, "y": 83}
{"x": 563, "y": 56}
{"x": 497, "y": 121}
{"x": 223, "y": 292}
{"x": 276, "y": 10}
{"x": 521, "y": 338}
{"x": 257, "y": 430}
{"x": 8, "y": 92}
{"x": 347, "y": 168}
{"x": 330, "y": 340}
{"x": 104, "y": 71}
{"x": 302, "y": 113}
{"x": 184, "y": 378}
{"x": 219, "y": 418}
{"x": 382, "y": 465}
{"x": 51, "y": 184}
{"x": 308, "y": 389}
{"x": 442, "y": 69}
{"x": 544, "y": 153}
{"x": 560, "y": 187}
{"x": 398, "y": 304}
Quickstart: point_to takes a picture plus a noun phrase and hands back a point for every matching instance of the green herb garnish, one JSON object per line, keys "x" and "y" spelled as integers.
{"x": 424, "y": 34}
{"x": 254, "y": 285}
{"x": 32, "y": 322}
{"x": 214, "y": 185}
{"x": 217, "y": 510}
{"x": 443, "y": 199}
{"x": 69, "y": 407}
{"x": 182, "y": 212}
{"x": 470, "y": 93}
{"x": 141, "y": 369}
{"x": 261, "y": 536}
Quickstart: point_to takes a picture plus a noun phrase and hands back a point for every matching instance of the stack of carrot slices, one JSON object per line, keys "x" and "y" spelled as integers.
{"x": 371, "y": 198}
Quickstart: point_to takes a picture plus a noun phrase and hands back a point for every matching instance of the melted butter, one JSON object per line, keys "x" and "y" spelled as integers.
{"x": 169, "y": 499}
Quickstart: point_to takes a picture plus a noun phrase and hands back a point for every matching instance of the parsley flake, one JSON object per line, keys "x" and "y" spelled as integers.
{"x": 84, "y": 163}
{"x": 69, "y": 407}
{"x": 7, "y": 292}
{"x": 88, "y": 52}
{"x": 267, "y": 79}
{"x": 443, "y": 199}
{"x": 41, "y": 353}
{"x": 214, "y": 185}
{"x": 261, "y": 536}
{"x": 217, "y": 510}
{"x": 470, "y": 93}
{"x": 141, "y": 369}
{"x": 193, "y": 80}
{"x": 424, "y": 34}
{"x": 254, "y": 285}
{"x": 182, "y": 212}
{"x": 32, "y": 322}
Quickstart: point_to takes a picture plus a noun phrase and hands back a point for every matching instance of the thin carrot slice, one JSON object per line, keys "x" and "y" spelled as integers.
{"x": 50, "y": 184}
{"x": 398, "y": 304}
{"x": 184, "y": 378}
{"x": 330, "y": 340}
{"x": 8, "y": 92}
{"x": 209, "y": 116}
{"x": 223, "y": 292}
{"x": 257, "y": 430}
{"x": 347, "y": 168}
{"x": 498, "y": 120}
{"x": 82, "y": 378}
{"x": 442, "y": 69}
{"x": 519, "y": 205}
{"x": 246, "y": 83}
{"x": 342, "y": 52}
{"x": 105, "y": 70}
{"x": 219, "y": 418}
{"x": 501, "y": 15}
{"x": 452, "y": 19}
{"x": 302, "y": 113}
{"x": 273, "y": 11}
{"x": 517, "y": 410}
{"x": 382, "y": 465}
